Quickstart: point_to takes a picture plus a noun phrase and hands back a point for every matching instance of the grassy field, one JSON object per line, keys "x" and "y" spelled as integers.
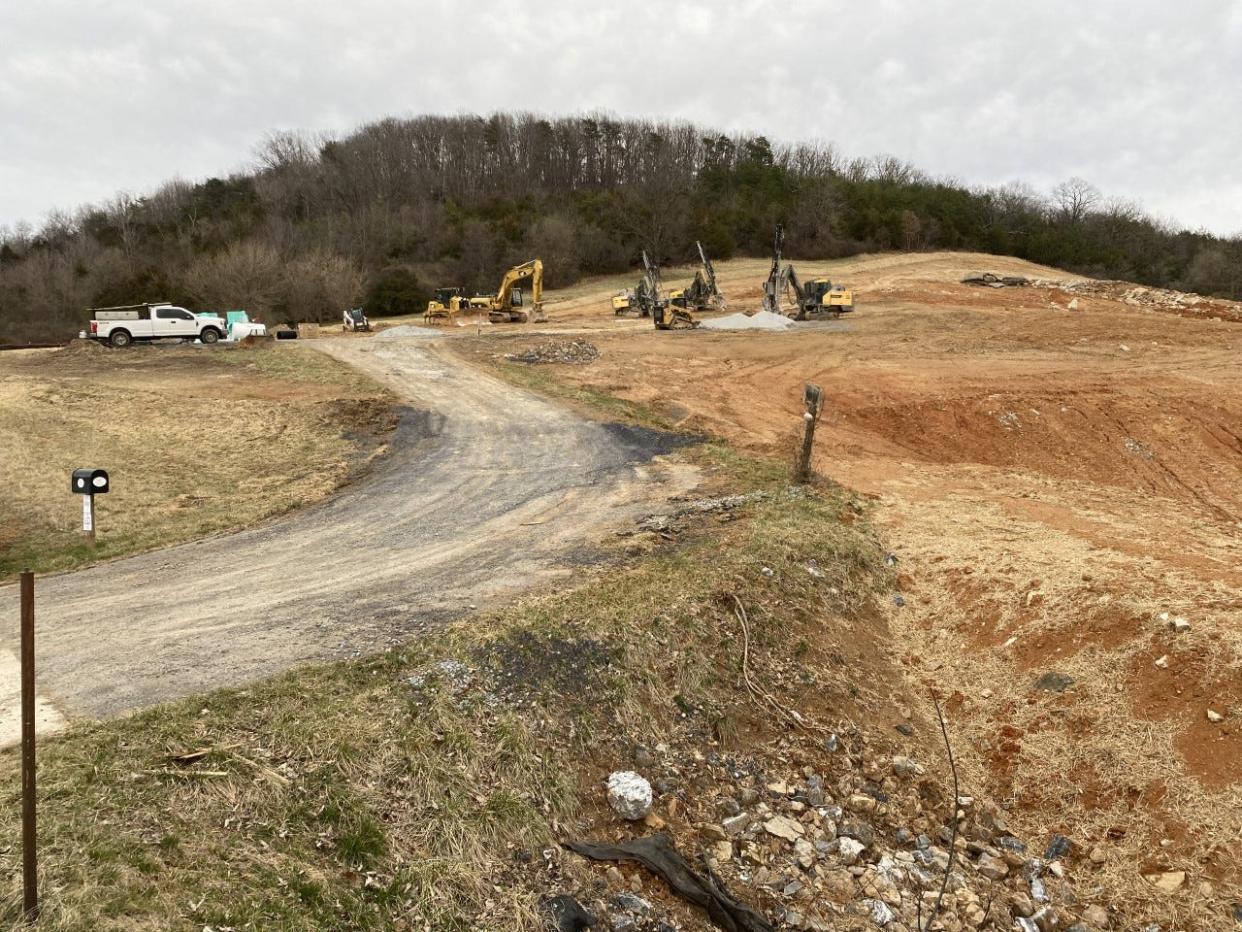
{"x": 196, "y": 442}
{"x": 342, "y": 797}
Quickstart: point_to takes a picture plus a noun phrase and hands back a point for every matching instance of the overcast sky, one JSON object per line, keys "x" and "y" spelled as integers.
{"x": 1143, "y": 98}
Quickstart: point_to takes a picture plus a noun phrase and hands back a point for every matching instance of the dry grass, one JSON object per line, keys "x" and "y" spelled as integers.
{"x": 347, "y": 799}
{"x": 196, "y": 443}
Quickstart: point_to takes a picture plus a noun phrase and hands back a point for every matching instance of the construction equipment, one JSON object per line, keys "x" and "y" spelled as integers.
{"x": 446, "y": 305}
{"x": 702, "y": 294}
{"x": 773, "y": 287}
{"x": 664, "y": 314}
{"x": 817, "y": 298}
{"x": 640, "y": 300}
{"x": 355, "y": 320}
{"x": 644, "y": 300}
{"x": 506, "y": 304}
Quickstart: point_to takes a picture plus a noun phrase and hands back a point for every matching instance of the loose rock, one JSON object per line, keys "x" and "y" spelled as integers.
{"x": 850, "y": 850}
{"x": 629, "y": 795}
{"x": 1096, "y": 916}
{"x": 1167, "y": 882}
{"x": 784, "y": 827}
{"x": 1054, "y": 682}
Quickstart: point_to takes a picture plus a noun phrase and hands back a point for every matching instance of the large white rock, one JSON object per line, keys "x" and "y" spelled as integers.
{"x": 629, "y": 795}
{"x": 850, "y": 850}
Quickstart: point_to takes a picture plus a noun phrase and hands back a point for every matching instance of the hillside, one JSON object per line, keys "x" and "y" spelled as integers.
{"x": 393, "y": 209}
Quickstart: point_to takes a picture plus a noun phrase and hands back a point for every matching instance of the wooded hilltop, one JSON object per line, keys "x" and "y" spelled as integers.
{"x": 383, "y": 215}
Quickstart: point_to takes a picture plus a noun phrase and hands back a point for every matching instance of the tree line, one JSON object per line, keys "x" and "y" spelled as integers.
{"x": 386, "y": 213}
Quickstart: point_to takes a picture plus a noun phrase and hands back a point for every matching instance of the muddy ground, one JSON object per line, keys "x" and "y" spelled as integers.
{"x": 1059, "y": 486}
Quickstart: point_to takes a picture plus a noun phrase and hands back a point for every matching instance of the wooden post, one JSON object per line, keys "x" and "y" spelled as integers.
{"x": 30, "y": 882}
{"x": 813, "y": 397}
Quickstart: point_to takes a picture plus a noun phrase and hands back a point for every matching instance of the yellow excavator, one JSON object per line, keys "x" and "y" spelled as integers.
{"x": 506, "y": 305}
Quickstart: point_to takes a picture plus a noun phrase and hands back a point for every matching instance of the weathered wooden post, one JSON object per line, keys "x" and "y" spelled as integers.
{"x": 813, "y": 397}
{"x": 30, "y": 879}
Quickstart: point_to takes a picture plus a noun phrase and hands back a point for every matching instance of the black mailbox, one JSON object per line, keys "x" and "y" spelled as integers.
{"x": 90, "y": 481}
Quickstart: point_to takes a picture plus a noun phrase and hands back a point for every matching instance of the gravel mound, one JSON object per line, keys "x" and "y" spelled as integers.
{"x": 764, "y": 320}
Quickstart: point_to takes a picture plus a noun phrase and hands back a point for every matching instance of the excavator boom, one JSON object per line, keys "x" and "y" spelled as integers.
{"x": 502, "y": 305}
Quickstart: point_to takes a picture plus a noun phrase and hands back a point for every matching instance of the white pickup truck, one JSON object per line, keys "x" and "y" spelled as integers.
{"x": 121, "y": 326}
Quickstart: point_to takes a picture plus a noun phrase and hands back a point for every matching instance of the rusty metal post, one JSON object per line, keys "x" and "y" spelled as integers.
{"x": 30, "y": 878}
{"x": 813, "y": 396}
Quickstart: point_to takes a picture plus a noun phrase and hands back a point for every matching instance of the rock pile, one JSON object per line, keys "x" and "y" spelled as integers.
{"x": 1161, "y": 299}
{"x": 1140, "y": 296}
{"x": 992, "y": 280}
{"x": 571, "y": 352}
{"x": 861, "y": 847}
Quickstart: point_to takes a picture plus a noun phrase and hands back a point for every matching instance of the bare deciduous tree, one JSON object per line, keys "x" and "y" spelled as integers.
{"x": 1074, "y": 199}
{"x": 248, "y": 275}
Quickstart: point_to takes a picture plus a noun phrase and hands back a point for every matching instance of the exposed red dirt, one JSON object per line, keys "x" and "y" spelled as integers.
{"x": 1053, "y": 482}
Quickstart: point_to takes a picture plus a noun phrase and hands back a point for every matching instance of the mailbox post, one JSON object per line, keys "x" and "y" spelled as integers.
{"x": 88, "y": 483}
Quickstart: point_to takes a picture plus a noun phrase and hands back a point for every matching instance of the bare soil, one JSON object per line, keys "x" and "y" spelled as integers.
{"x": 1057, "y": 486}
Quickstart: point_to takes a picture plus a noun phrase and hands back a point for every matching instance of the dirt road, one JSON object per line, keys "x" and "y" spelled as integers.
{"x": 486, "y": 490}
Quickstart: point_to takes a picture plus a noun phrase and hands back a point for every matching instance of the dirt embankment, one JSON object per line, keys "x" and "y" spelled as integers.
{"x": 1060, "y": 486}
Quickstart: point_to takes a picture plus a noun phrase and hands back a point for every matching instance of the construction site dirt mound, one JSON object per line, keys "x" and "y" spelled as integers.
{"x": 81, "y": 348}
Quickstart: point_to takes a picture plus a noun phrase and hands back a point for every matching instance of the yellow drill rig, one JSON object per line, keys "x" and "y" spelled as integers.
{"x": 817, "y": 298}
{"x": 702, "y": 294}
{"x": 644, "y": 300}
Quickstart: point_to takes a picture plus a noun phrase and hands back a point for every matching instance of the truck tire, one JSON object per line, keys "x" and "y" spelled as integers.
{"x": 210, "y": 335}
{"x": 119, "y": 339}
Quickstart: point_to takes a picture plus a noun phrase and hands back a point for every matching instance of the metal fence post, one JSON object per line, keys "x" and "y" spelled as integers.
{"x": 30, "y": 880}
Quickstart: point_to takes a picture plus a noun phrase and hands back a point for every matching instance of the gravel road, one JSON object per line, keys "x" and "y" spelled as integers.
{"x": 487, "y": 489}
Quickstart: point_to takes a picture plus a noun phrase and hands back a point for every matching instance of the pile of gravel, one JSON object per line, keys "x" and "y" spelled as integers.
{"x": 764, "y": 320}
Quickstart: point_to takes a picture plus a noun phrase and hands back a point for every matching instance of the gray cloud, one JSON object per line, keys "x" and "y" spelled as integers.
{"x": 1140, "y": 97}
